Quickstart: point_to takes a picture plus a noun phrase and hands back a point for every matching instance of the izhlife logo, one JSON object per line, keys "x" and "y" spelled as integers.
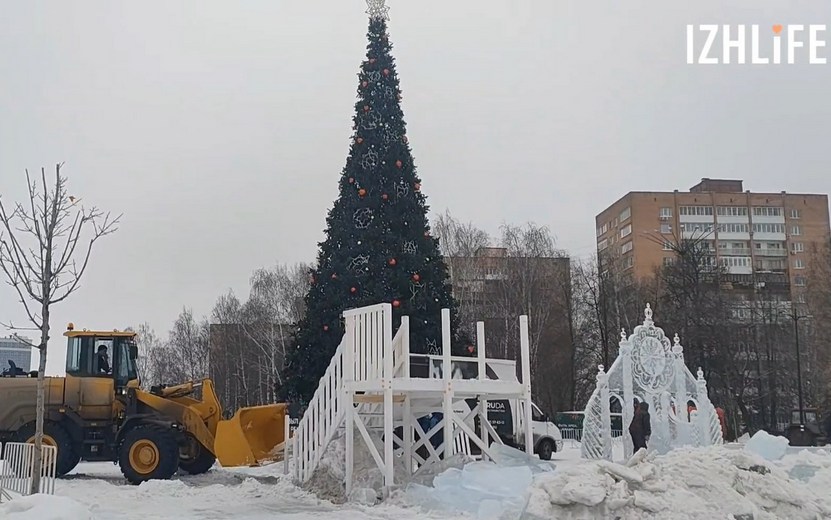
{"x": 741, "y": 44}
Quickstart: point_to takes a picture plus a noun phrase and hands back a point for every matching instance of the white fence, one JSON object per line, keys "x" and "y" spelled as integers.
{"x": 18, "y": 469}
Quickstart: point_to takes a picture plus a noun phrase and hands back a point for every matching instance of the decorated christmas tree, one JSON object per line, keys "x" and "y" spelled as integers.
{"x": 378, "y": 246}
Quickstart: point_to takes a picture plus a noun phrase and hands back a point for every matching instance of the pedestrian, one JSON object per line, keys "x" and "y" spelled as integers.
{"x": 640, "y": 428}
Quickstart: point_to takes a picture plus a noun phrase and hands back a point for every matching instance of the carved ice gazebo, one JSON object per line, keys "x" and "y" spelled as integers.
{"x": 650, "y": 368}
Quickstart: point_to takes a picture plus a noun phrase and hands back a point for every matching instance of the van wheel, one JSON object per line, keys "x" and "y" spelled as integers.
{"x": 148, "y": 453}
{"x": 546, "y": 449}
{"x": 53, "y": 435}
{"x": 194, "y": 458}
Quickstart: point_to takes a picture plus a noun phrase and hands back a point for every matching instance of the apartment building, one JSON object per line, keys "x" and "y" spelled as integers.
{"x": 495, "y": 287}
{"x": 758, "y": 238}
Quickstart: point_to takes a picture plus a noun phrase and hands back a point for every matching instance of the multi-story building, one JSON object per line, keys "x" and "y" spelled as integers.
{"x": 17, "y": 351}
{"x": 758, "y": 238}
{"x": 495, "y": 287}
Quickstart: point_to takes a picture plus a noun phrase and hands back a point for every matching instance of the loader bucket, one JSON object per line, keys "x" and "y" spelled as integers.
{"x": 251, "y": 437}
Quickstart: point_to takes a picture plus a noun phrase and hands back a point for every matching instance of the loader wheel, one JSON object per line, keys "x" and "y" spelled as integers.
{"x": 194, "y": 458}
{"x": 54, "y": 435}
{"x": 148, "y": 453}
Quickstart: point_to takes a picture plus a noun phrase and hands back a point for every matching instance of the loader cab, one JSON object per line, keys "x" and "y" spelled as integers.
{"x": 99, "y": 366}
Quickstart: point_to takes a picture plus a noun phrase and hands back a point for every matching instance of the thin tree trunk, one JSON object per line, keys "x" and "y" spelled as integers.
{"x": 37, "y": 461}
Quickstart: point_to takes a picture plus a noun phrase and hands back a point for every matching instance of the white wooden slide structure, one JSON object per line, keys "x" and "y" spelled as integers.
{"x": 368, "y": 387}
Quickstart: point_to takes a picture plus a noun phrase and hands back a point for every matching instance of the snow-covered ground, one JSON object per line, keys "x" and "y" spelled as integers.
{"x": 241, "y": 494}
{"x": 688, "y": 483}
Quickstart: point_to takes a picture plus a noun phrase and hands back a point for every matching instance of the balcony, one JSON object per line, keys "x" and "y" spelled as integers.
{"x": 730, "y": 251}
{"x": 771, "y": 252}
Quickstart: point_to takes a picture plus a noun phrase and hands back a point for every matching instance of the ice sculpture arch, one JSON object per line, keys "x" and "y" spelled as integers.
{"x": 650, "y": 368}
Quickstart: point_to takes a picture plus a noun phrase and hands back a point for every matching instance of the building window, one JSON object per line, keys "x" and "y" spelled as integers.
{"x": 795, "y": 213}
{"x": 698, "y": 211}
{"x": 603, "y": 244}
{"x": 667, "y": 245}
{"x": 769, "y": 228}
{"x": 765, "y": 211}
{"x": 731, "y": 211}
{"x": 733, "y": 228}
{"x": 625, "y": 214}
{"x": 799, "y": 281}
{"x": 666, "y": 213}
{"x": 797, "y": 247}
{"x": 796, "y": 230}
{"x": 628, "y": 262}
{"x": 666, "y": 229}
{"x": 668, "y": 260}
{"x": 625, "y": 248}
{"x": 696, "y": 227}
{"x": 800, "y": 298}
{"x": 626, "y": 231}
{"x": 799, "y": 263}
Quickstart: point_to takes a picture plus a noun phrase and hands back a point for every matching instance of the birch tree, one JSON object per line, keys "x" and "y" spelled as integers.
{"x": 45, "y": 246}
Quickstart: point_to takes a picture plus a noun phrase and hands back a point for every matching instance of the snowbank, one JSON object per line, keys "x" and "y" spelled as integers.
{"x": 44, "y": 507}
{"x": 683, "y": 484}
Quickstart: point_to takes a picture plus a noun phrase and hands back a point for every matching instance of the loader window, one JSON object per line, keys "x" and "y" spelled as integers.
{"x": 73, "y": 355}
{"x": 125, "y": 366}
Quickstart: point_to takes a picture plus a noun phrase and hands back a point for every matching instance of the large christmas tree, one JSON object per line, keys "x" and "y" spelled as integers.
{"x": 378, "y": 246}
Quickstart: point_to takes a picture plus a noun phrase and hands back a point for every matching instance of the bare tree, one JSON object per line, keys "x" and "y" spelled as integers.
{"x": 45, "y": 247}
{"x": 189, "y": 348}
{"x": 461, "y": 245}
{"x": 151, "y": 366}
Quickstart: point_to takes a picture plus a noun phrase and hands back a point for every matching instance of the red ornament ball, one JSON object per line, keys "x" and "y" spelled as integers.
{"x": 392, "y": 261}
{"x": 353, "y": 290}
{"x": 366, "y": 108}
{"x": 416, "y": 277}
{"x": 359, "y": 140}
{"x": 385, "y": 196}
{"x": 325, "y": 328}
{"x": 351, "y": 180}
{"x": 470, "y": 349}
{"x": 417, "y": 186}
{"x": 362, "y": 192}
{"x": 365, "y": 84}
{"x": 405, "y": 139}
{"x": 399, "y": 164}
{"x": 372, "y": 60}
{"x": 334, "y": 276}
{"x": 396, "y": 303}
{"x": 386, "y": 72}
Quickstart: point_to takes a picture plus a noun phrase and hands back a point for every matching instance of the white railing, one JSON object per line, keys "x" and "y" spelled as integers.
{"x": 321, "y": 419}
{"x": 18, "y": 470}
{"x": 368, "y": 332}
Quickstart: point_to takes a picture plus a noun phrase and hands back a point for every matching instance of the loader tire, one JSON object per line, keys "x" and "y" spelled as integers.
{"x": 194, "y": 458}
{"x": 148, "y": 453}
{"x": 53, "y": 435}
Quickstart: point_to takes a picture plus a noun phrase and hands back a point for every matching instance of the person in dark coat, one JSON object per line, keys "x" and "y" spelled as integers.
{"x": 640, "y": 429}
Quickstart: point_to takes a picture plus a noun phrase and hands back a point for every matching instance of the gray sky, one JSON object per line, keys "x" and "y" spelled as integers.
{"x": 219, "y": 128}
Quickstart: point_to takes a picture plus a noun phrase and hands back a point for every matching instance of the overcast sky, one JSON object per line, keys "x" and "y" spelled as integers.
{"x": 219, "y": 128}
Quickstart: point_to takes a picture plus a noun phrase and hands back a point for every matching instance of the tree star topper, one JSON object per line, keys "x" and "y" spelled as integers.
{"x": 378, "y": 9}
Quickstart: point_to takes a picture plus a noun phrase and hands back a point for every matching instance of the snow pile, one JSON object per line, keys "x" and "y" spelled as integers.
{"x": 44, "y": 507}
{"x": 328, "y": 481}
{"x": 683, "y": 484}
{"x": 767, "y": 446}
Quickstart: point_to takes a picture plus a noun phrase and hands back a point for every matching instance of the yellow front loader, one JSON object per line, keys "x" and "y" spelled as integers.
{"x": 99, "y": 412}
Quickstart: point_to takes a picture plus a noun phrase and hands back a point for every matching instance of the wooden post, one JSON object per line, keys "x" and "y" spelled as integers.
{"x": 286, "y": 440}
{"x": 350, "y": 438}
{"x": 483, "y": 375}
{"x": 525, "y": 351}
{"x": 386, "y": 352}
{"x": 447, "y": 368}
{"x": 408, "y": 410}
